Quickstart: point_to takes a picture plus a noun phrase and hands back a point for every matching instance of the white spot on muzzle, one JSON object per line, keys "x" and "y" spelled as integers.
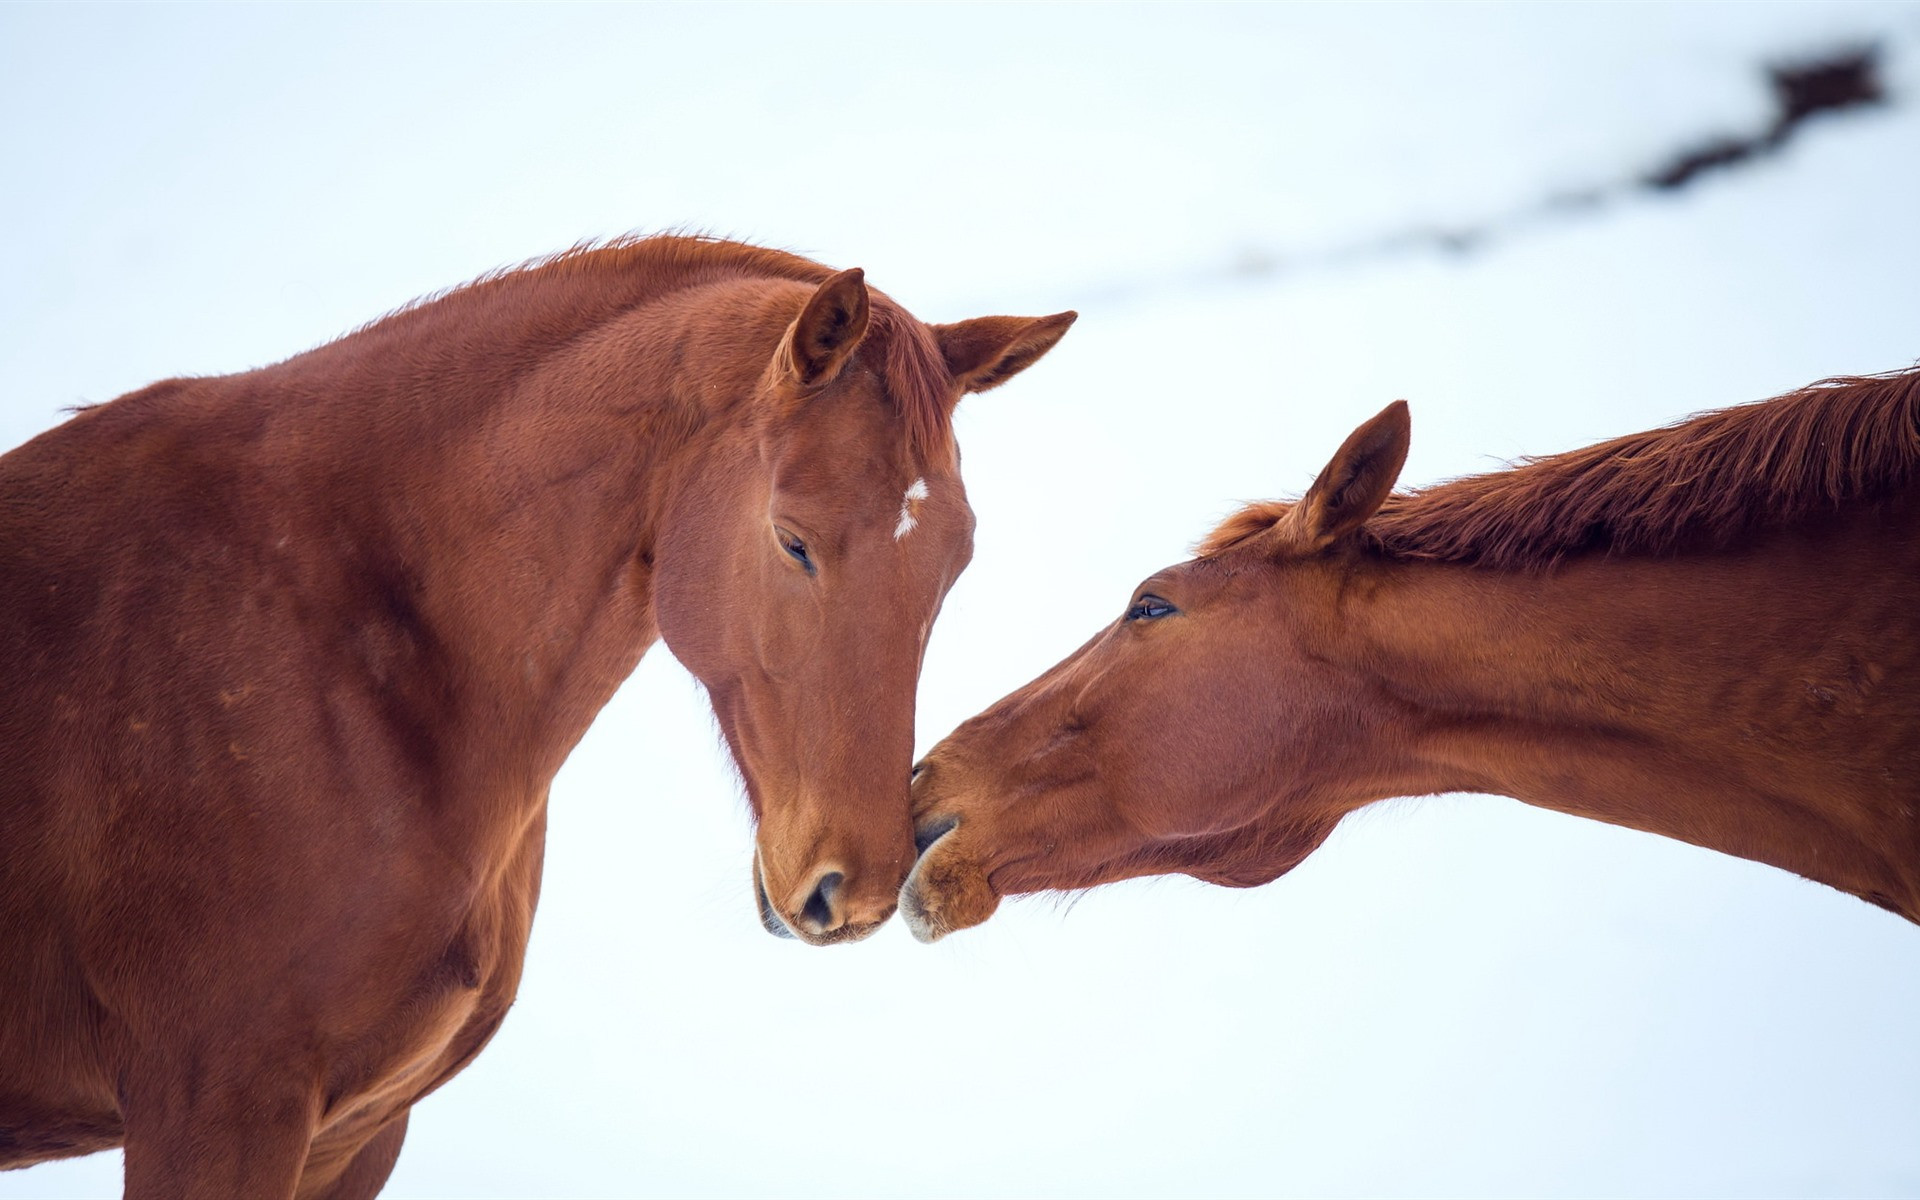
{"x": 910, "y": 508}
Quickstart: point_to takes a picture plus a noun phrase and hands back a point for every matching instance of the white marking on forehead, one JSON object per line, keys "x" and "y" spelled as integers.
{"x": 910, "y": 508}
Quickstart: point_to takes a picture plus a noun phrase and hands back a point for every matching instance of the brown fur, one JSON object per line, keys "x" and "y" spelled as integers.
{"x": 627, "y": 270}
{"x": 1709, "y": 632}
{"x": 1705, "y": 482}
{"x": 292, "y": 657}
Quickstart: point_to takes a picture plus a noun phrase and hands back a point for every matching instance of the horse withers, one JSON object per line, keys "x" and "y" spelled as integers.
{"x": 292, "y": 657}
{"x": 1709, "y": 631}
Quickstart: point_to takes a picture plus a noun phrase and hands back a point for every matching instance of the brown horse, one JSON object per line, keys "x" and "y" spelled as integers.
{"x": 292, "y": 657}
{"x": 1709, "y": 631}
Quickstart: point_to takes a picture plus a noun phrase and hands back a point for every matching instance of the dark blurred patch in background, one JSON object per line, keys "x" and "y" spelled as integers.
{"x": 1838, "y": 80}
{"x": 1835, "y": 82}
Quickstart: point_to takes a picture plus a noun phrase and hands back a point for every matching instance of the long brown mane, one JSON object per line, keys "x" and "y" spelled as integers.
{"x": 594, "y": 281}
{"x": 1707, "y": 480}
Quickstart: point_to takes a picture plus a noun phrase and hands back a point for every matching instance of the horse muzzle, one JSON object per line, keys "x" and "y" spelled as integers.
{"x": 825, "y": 912}
{"x": 946, "y": 889}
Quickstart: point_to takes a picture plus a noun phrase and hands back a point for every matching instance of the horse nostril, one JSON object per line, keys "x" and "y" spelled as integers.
{"x": 818, "y": 910}
{"x": 926, "y": 835}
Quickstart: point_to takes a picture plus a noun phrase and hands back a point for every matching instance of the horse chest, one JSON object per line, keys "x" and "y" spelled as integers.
{"x": 425, "y": 1032}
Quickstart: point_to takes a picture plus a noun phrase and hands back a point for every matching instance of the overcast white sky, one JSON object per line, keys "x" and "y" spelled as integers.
{"x": 1459, "y": 996}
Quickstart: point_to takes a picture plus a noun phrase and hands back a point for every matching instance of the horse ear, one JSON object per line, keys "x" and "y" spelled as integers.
{"x": 987, "y": 351}
{"x": 1354, "y": 484}
{"x": 828, "y": 330}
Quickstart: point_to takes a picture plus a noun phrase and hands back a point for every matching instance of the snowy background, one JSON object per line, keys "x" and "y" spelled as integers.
{"x": 1461, "y": 996}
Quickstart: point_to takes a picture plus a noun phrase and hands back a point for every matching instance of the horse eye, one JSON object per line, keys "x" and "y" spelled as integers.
{"x": 795, "y": 547}
{"x": 1150, "y": 608}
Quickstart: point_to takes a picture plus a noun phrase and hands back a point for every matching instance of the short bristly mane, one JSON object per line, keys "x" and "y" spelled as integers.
{"x": 1704, "y": 481}
{"x": 600, "y": 279}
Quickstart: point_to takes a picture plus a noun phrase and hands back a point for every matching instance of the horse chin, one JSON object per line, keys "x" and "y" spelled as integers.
{"x": 843, "y": 935}
{"x": 946, "y": 891}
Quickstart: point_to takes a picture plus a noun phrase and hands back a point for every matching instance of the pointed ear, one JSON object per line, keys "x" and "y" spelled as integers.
{"x": 987, "y": 351}
{"x": 1354, "y": 484}
{"x": 828, "y": 330}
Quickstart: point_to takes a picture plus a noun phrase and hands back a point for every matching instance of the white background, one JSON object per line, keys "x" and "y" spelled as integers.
{"x": 1457, "y": 996}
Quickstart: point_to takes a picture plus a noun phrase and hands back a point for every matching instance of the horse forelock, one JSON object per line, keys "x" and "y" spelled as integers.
{"x": 915, "y": 374}
{"x": 1706, "y": 480}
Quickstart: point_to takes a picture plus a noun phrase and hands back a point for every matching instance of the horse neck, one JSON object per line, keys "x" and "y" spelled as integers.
{"x": 1761, "y": 702}
{"x": 509, "y": 503}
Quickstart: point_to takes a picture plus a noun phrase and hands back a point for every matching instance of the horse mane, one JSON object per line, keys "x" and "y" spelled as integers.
{"x": 635, "y": 267}
{"x": 1709, "y": 479}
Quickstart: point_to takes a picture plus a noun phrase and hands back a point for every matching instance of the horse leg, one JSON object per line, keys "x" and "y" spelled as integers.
{"x": 202, "y": 1135}
{"x": 364, "y": 1172}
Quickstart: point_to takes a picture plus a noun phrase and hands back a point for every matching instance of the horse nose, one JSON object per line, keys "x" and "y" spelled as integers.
{"x": 830, "y": 913}
{"x": 818, "y": 912}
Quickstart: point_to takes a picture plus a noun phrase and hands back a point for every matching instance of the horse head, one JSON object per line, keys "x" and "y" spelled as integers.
{"x": 799, "y": 570}
{"x": 1196, "y": 734}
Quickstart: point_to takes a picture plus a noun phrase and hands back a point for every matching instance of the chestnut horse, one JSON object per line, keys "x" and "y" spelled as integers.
{"x": 292, "y": 657}
{"x": 1709, "y": 631}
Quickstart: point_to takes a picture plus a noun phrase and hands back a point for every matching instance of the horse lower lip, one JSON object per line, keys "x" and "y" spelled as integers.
{"x": 915, "y": 915}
